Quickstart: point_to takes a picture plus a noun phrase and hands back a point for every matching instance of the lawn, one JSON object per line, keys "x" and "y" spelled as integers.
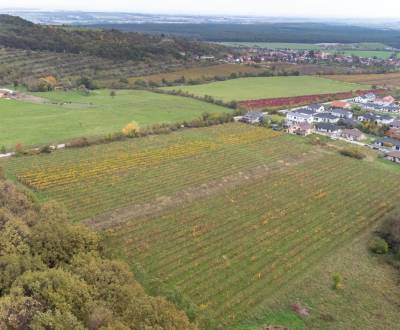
{"x": 73, "y": 114}
{"x": 381, "y": 54}
{"x": 232, "y": 216}
{"x": 269, "y": 87}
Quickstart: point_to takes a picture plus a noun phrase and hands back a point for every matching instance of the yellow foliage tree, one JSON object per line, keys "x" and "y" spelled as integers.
{"x": 131, "y": 129}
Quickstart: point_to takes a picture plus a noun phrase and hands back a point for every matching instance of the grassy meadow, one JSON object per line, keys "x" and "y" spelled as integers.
{"x": 269, "y": 87}
{"x": 242, "y": 220}
{"x": 67, "y": 115}
{"x": 381, "y": 54}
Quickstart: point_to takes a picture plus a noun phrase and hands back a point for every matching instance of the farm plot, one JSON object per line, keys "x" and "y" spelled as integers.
{"x": 391, "y": 80}
{"x": 229, "y": 215}
{"x": 70, "y": 115}
{"x": 234, "y": 251}
{"x": 137, "y": 172}
{"x": 269, "y": 87}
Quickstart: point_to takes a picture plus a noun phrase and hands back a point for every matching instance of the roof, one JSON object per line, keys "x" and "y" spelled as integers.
{"x": 304, "y": 126}
{"x": 340, "y": 104}
{"x": 254, "y": 115}
{"x": 340, "y": 110}
{"x": 389, "y": 98}
{"x": 315, "y": 106}
{"x": 325, "y": 115}
{"x": 389, "y": 140}
{"x": 374, "y": 116}
{"x": 394, "y": 154}
{"x": 327, "y": 126}
{"x": 353, "y": 132}
{"x": 304, "y": 111}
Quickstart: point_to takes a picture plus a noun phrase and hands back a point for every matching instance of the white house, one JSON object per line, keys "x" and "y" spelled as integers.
{"x": 326, "y": 118}
{"x": 341, "y": 113}
{"x": 370, "y": 97}
{"x": 302, "y": 115}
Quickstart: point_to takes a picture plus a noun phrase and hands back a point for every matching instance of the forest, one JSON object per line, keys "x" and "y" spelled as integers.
{"x": 112, "y": 44}
{"x": 276, "y": 32}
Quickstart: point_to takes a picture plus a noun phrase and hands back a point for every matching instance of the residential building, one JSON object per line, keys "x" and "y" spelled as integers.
{"x": 341, "y": 113}
{"x": 253, "y": 117}
{"x": 393, "y": 156}
{"x": 326, "y": 118}
{"x": 317, "y": 107}
{"x": 353, "y": 134}
{"x": 302, "y": 115}
{"x": 302, "y": 129}
{"x": 327, "y": 128}
{"x": 388, "y": 143}
{"x": 341, "y": 104}
{"x": 378, "y": 119}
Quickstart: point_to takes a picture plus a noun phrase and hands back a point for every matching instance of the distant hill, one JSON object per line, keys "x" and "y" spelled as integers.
{"x": 273, "y": 32}
{"x": 112, "y": 44}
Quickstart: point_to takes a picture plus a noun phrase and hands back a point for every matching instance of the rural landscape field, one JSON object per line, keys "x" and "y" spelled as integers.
{"x": 176, "y": 172}
{"x": 259, "y": 88}
{"x": 62, "y": 116}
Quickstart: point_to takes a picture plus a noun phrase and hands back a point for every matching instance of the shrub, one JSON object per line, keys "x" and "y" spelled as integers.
{"x": 352, "y": 153}
{"x": 3, "y": 150}
{"x": 337, "y": 281}
{"x": 19, "y": 149}
{"x": 78, "y": 143}
{"x": 378, "y": 245}
{"x": 131, "y": 130}
{"x": 46, "y": 150}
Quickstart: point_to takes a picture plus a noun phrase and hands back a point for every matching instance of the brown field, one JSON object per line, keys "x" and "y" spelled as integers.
{"x": 384, "y": 80}
{"x": 202, "y": 72}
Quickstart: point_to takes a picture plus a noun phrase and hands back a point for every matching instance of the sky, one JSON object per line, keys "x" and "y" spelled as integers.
{"x": 289, "y": 8}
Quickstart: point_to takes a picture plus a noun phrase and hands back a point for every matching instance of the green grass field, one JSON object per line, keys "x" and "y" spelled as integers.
{"x": 381, "y": 54}
{"x": 233, "y": 216}
{"x": 258, "y": 88}
{"x": 273, "y": 45}
{"x": 75, "y": 115}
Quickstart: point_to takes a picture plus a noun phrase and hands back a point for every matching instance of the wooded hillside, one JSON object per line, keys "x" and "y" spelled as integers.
{"x": 18, "y": 33}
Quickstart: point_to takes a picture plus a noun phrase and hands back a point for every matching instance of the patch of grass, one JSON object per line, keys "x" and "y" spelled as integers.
{"x": 73, "y": 115}
{"x": 268, "y": 87}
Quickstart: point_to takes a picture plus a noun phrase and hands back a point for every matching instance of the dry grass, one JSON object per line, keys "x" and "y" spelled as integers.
{"x": 383, "y": 80}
